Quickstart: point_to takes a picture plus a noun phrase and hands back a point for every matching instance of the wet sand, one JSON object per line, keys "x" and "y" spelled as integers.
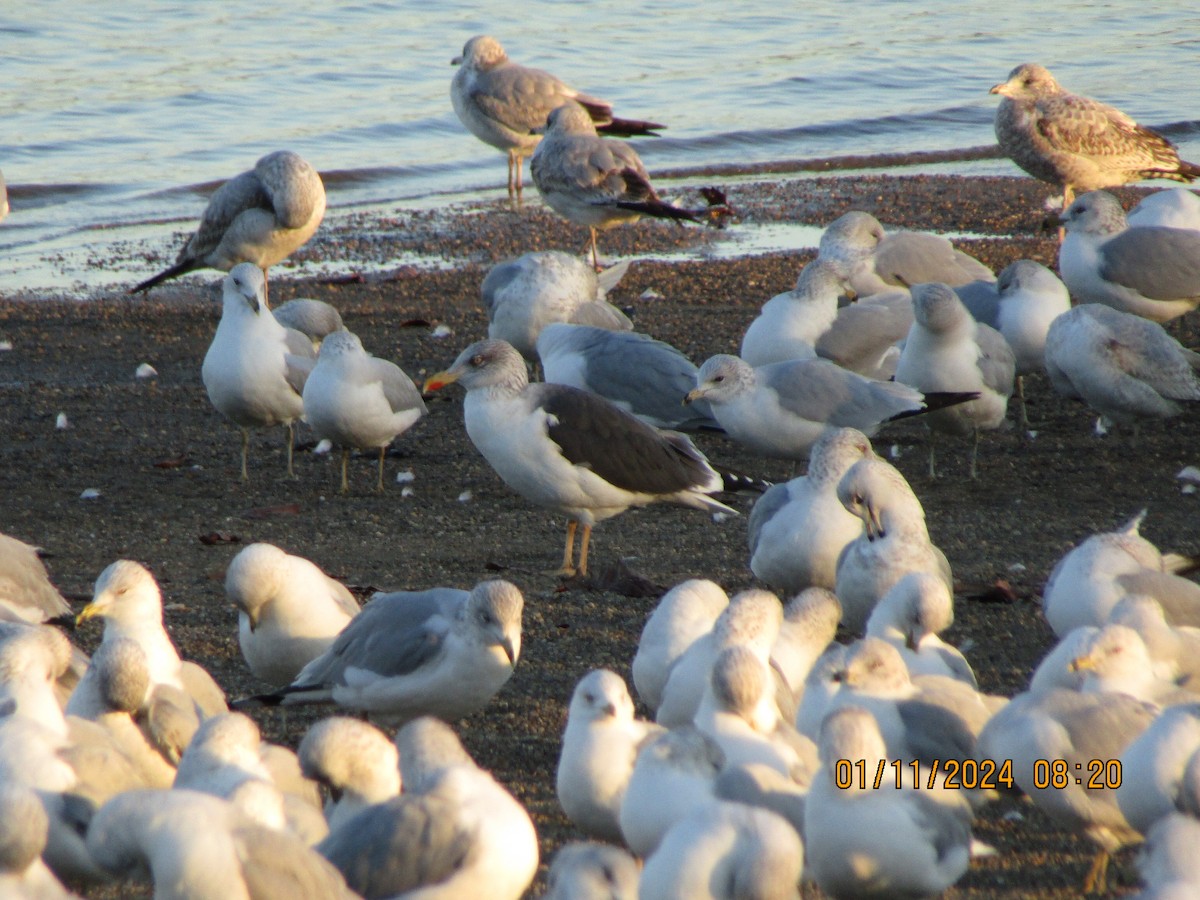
{"x": 165, "y": 465}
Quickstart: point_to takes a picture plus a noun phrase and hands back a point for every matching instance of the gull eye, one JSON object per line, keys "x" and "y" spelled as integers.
{"x": 589, "y": 699}
{"x": 477, "y": 359}
{"x": 717, "y": 379}
{"x": 857, "y": 499}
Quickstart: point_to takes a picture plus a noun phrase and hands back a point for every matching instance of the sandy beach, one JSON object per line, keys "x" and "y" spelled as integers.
{"x": 165, "y": 466}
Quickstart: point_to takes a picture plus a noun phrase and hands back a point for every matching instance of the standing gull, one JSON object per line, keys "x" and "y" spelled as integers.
{"x": 259, "y": 217}
{"x": 1074, "y": 142}
{"x": 591, "y": 181}
{"x": 1149, "y": 271}
{"x": 441, "y": 652}
{"x": 506, "y": 104}
{"x": 569, "y": 450}
{"x": 255, "y": 368}
{"x": 359, "y": 401}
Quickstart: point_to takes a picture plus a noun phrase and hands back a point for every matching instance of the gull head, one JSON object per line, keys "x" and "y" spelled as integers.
{"x": 123, "y": 674}
{"x": 928, "y": 607}
{"x": 739, "y": 681}
{"x": 428, "y": 747}
{"x": 821, "y": 279}
{"x": 125, "y": 592}
{"x": 1095, "y": 213}
{"x": 875, "y": 491}
{"x": 348, "y": 754}
{"x": 850, "y": 238}
{"x": 752, "y": 618}
{"x": 341, "y": 343}
{"x": 494, "y": 608}
{"x": 1028, "y": 81}
{"x": 721, "y": 379}
{"x": 1028, "y": 275}
{"x": 570, "y": 118}
{"x": 816, "y": 610}
{"x": 938, "y": 309}
{"x": 850, "y": 732}
{"x": 484, "y": 364}
{"x": 836, "y": 450}
{"x": 245, "y": 284}
{"x": 254, "y": 578}
{"x": 30, "y": 661}
{"x": 481, "y": 52}
{"x": 875, "y": 666}
{"x": 1114, "y": 652}
{"x": 229, "y": 738}
{"x": 601, "y": 695}
{"x": 24, "y": 827}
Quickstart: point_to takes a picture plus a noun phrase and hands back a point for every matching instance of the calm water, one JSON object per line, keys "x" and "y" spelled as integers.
{"x": 114, "y": 121}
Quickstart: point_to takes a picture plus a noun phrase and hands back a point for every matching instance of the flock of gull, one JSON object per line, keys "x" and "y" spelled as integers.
{"x": 777, "y": 756}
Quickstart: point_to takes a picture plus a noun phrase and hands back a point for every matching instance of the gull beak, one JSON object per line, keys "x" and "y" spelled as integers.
{"x": 839, "y": 677}
{"x": 694, "y": 395}
{"x": 999, "y": 89}
{"x": 439, "y": 380}
{"x": 90, "y": 611}
{"x": 911, "y": 641}
{"x": 511, "y": 648}
{"x": 609, "y": 710}
{"x": 457, "y": 61}
{"x": 874, "y": 526}
{"x": 1082, "y": 663}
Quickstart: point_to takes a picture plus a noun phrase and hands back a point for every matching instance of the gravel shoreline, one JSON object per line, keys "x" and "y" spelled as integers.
{"x": 165, "y": 466}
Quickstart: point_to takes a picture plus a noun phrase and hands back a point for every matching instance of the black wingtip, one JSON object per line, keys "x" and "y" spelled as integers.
{"x": 630, "y": 128}
{"x": 936, "y": 400}
{"x": 174, "y": 272}
{"x": 659, "y": 210}
{"x": 732, "y": 480}
{"x": 258, "y": 701}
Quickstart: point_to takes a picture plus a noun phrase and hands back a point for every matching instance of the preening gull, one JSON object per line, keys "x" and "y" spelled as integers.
{"x": 789, "y": 324}
{"x": 673, "y": 775}
{"x": 569, "y": 450}
{"x": 592, "y": 871}
{"x": 1124, "y": 367}
{"x": 878, "y": 261}
{"x": 506, "y": 104}
{"x": 315, "y": 319}
{"x": 359, "y": 401}
{"x": 591, "y": 181}
{"x": 894, "y": 540}
{"x": 455, "y": 831}
{"x": 356, "y": 761}
{"x": 781, "y": 409}
{"x": 524, "y": 295}
{"x": 643, "y": 376}
{"x": 25, "y": 588}
{"x": 723, "y": 851}
{"x": 1074, "y": 142}
{"x": 442, "y": 652}
{"x": 906, "y": 841}
{"x": 910, "y": 616}
{"x": 810, "y": 621}
{"x": 289, "y": 611}
{"x": 599, "y": 747}
{"x": 259, "y": 217}
{"x": 254, "y": 370}
{"x": 797, "y": 530}
{"x": 1170, "y": 208}
{"x": 683, "y": 615}
{"x": 1150, "y": 271}
{"x": 947, "y": 350}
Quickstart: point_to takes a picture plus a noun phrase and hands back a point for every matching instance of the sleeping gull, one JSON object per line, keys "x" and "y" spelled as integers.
{"x": 1021, "y": 304}
{"x": 1074, "y": 142}
{"x": 878, "y": 261}
{"x": 356, "y": 761}
{"x": 25, "y": 588}
{"x": 524, "y": 295}
{"x": 1170, "y": 208}
{"x": 591, "y": 181}
{"x": 947, "y": 350}
{"x": 780, "y": 410}
{"x": 639, "y": 374}
{"x": 1037, "y": 729}
{"x": 506, "y": 104}
{"x": 1175, "y": 649}
{"x": 865, "y": 335}
{"x": 599, "y": 747}
{"x": 442, "y": 652}
{"x": 723, "y": 851}
{"x": 359, "y": 401}
{"x": 455, "y": 831}
{"x": 569, "y": 450}
{"x": 1124, "y": 367}
{"x": 587, "y": 870}
{"x": 673, "y": 775}
{"x": 1115, "y": 659}
{"x": 289, "y": 611}
{"x": 797, "y": 530}
{"x": 315, "y": 319}
{"x": 810, "y": 621}
{"x": 892, "y": 842}
{"x": 1153, "y": 764}
{"x": 683, "y": 615}
{"x": 1168, "y": 862}
{"x": 127, "y": 598}
{"x": 24, "y": 828}
{"x": 152, "y": 835}
{"x": 1149, "y": 271}
{"x": 260, "y": 217}
{"x": 789, "y": 324}
{"x": 910, "y": 616}
{"x": 894, "y": 540}
{"x": 255, "y": 368}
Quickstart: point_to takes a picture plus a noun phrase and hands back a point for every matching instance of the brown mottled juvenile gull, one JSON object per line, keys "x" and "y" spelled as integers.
{"x": 1124, "y": 367}
{"x": 289, "y": 611}
{"x": 569, "y": 450}
{"x": 1077, "y": 143}
{"x": 359, "y": 401}
{"x": 259, "y": 217}
{"x": 639, "y": 374}
{"x": 1150, "y": 271}
{"x": 255, "y": 368}
{"x": 506, "y": 104}
{"x": 442, "y": 652}
{"x": 591, "y": 181}
{"x": 524, "y": 295}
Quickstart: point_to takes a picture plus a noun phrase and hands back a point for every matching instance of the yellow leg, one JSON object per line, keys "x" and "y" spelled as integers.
{"x": 1097, "y": 877}
{"x": 345, "y": 457}
{"x": 568, "y": 563}
{"x": 595, "y": 253}
{"x": 584, "y": 541}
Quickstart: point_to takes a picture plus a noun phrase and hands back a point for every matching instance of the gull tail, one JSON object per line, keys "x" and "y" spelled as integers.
{"x": 937, "y": 400}
{"x": 660, "y": 209}
{"x": 180, "y": 268}
{"x": 630, "y": 128}
{"x": 292, "y": 694}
